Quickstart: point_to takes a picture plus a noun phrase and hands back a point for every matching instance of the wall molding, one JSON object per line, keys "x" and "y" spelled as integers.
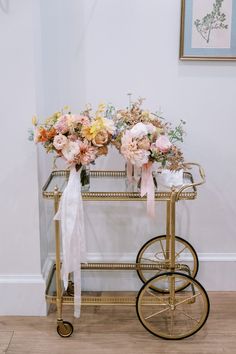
{"x": 21, "y": 279}
{"x": 22, "y": 295}
{"x": 215, "y": 272}
{"x": 129, "y": 257}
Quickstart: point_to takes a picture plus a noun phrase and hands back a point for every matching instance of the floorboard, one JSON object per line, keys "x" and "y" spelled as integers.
{"x": 116, "y": 330}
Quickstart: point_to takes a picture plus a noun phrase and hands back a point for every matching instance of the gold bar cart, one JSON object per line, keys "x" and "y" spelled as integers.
{"x": 171, "y": 304}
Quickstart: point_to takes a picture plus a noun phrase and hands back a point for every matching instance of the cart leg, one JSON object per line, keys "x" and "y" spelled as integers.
{"x": 167, "y": 253}
{"x": 172, "y": 230}
{"x": 64, "y": 328}
{"x": 172, "y": 246}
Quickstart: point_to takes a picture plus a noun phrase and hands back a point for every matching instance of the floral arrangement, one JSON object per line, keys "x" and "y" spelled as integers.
{"x": 78, "y": 138}
{"x": 144, "y": 137}
{"x": 141, "y": 136}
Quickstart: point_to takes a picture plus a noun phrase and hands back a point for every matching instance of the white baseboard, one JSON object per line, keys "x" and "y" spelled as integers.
{"x": 22, "y": 295}
{"x": 216, "y": 272}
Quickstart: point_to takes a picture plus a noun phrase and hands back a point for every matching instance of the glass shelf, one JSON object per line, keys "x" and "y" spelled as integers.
{"x": 113, "y": 185}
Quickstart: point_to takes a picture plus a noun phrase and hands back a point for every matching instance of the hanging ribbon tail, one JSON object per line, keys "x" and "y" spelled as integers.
{"x": 129, "y": 171}
{"x": 136, "y": 173}
{"x": 71, "y": 214}
{"x": 148, "y": 188}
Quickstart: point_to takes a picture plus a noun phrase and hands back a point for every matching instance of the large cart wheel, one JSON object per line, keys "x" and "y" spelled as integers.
{"x": 65, "y": 329}
{"x": 155, "y": 251}
{"x": 172, "y": 315}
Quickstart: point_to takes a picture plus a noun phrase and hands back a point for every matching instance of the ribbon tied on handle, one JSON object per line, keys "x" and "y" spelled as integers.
{"x": 71, "y": 215}
{"x": 148, "y": 187}
{"x": 133, "y": 172}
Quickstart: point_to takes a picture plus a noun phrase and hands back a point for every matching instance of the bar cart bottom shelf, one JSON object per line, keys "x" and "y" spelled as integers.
{"x": 163, "y": 313}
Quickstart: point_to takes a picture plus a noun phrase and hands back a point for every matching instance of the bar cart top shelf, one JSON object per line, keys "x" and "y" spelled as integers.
{"x": 113, "y": 186}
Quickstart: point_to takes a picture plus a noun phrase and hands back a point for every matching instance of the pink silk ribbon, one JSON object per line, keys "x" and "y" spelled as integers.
{"x": 147, "y": 187}
{"x": 129, "y": 171}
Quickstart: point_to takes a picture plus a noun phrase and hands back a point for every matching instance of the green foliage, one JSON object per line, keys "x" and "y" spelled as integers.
{"x": 177, "y": 133}
{"x": 31, "y": 135}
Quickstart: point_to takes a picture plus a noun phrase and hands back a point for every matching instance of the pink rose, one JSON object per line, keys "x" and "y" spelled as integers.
{"x": 61, "y": 125}
{"x": 163, "y": 143}
{"x": 84, "y": 120}
{"x": 60, "y": 141}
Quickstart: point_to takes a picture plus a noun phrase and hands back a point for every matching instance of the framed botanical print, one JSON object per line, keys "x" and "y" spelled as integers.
{"x": 208, "y": 30}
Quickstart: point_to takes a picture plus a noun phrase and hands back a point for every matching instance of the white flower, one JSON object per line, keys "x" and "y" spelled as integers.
{"x": 109, "y": 125}
{"x": 60, "y": 141}
{"x": 71, "y": 150}
{"x": 139, "y": 130}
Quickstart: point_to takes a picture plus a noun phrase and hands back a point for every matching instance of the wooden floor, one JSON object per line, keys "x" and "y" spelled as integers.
{"x": 116, "y": 330}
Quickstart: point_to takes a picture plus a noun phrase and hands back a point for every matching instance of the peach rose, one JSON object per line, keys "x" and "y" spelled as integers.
{"x": 103, "y": 150}
{"x": 101, "y": 138}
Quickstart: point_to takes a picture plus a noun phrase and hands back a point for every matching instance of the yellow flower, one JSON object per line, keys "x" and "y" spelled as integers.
{"x": 145, "y": 114}
{"x": 53, "y": 119}
{"x": 34, "y": 120}
{"x": 101, "y": 108}
{"x": 97, "y": 125}
{"x": 86, "y": 133}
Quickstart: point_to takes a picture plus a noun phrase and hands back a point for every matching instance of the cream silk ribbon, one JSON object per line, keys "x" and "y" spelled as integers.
{"x": 147, "y": 187}
{"x": 132, "y": 172}
{"x": 71, "y": 215}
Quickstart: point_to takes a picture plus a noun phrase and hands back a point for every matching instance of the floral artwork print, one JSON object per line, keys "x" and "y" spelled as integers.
{"x": 211, "y": 21}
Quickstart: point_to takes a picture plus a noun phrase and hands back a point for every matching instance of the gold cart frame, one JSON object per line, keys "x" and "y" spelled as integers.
{"x": 171, "y": 197}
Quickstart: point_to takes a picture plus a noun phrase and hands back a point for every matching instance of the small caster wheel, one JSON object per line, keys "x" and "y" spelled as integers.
{"x": 65, "y": 329}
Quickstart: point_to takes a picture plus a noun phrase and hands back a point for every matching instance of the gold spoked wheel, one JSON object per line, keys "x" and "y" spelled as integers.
{"x": 157, "y": 251}
{"x": 64, "y": 328}
{"x": 172, "y": 315}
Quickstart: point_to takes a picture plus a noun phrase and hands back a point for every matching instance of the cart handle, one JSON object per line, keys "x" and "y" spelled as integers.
{"x": 192, "y": 185}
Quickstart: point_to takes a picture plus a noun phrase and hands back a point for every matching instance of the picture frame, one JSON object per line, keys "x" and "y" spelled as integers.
{"x": 208, "y": 30}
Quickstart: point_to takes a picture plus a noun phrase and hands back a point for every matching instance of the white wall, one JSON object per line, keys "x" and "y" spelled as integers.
{"x": 21, "y": 282}
{"x": 77, "y": 51}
